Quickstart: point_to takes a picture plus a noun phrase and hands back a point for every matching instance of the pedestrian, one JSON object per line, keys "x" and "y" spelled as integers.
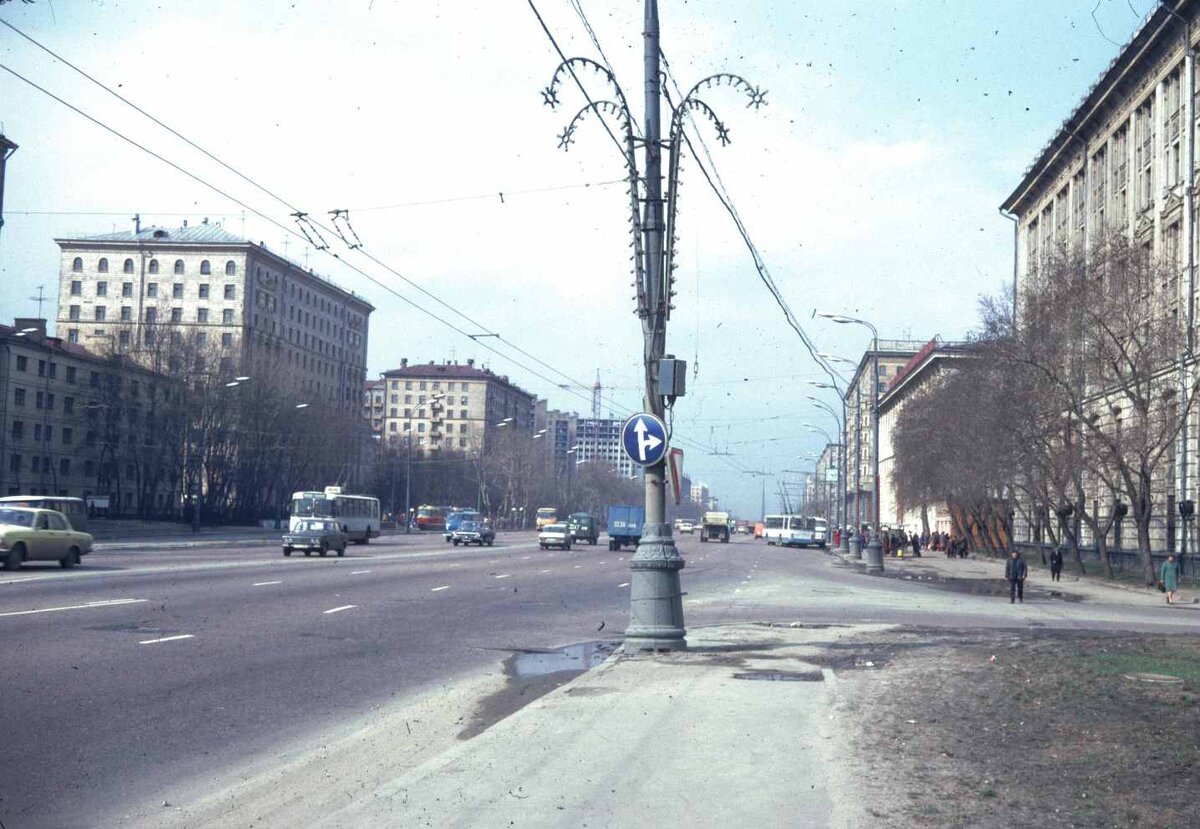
{"x": 916, "y": 545}
{"x": 1168, "y": 577}
{"x": 1015, "y": 571}
{"x": 1056, "y": 564}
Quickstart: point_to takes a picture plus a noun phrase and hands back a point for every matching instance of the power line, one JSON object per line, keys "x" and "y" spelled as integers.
{"x": 294, "y": 232}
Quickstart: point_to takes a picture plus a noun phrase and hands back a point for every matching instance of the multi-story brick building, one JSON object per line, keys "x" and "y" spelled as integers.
{"x": 261, "y": 312}
{"x": 452, "y": 406}
{"x": 76, "y": 423}
{"x": 860, "y": 400}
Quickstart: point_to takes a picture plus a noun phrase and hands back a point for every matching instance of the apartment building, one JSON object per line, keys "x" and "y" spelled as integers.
{"x": 256, "y": 311}
{"x": 75, "y": 423}
{"x": 860, "y": 397}
{"x": 826, "y": 476}
{"x": 560, "y": 432}
{"x": 374, "y": 405}
{"x": 599, "y": 440}
{"x": 452, "y": 406}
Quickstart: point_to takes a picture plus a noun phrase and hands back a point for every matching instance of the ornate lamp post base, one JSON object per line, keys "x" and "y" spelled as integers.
{"x": 655, "y": 600}
{"x": 874, "y": 556}
{"x": 856, "y": 546}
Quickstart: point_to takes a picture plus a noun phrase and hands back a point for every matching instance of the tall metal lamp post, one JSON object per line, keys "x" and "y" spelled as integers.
{"x": 656, "y": 605}
{"x": 844, "y": 472}
{"x": 874, "y": 547}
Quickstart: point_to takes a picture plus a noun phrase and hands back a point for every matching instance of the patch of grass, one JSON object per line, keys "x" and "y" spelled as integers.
{"x": 1183, "y": 665}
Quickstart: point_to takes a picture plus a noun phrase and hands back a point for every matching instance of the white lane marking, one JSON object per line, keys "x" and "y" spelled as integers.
{"x": 265, "y": 583}
{"x": 578, "y": 566}
{"x": 166, "y": 639}
{"x": 340, "y": 609}
{"x": 456, "y": 564}
{"x": 105, "y": 603}
{"x": 526, "y": 558}
{"x": 543, "y": 571}
{"x": 443, "y": 587}
{"x": 623, "y": 584}
{"x": 503, "y": 576}
{"x": 602, "y": 562}
{"x": 358, "y": 572}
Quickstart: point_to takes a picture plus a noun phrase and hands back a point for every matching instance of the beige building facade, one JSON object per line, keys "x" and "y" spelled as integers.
{"x": 261, "y": 313}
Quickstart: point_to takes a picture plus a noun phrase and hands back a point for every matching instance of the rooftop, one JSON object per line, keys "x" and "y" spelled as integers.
{"x": 448, "y": 370}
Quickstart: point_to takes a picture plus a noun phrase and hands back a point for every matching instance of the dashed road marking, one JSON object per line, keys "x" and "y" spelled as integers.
{"x": 340, "y": 609}
{"x": 543, "y": 571}
{"x": 358, "y": 572}
{"x": 265, "y": 583}
{"x": 167, "y": 639}
{"x": 443, "y": 587}
{"x": 89, "y": 605}
{"x": 623, "y": 584}
{"x": 503, "y": 576}
{"x": 578, "y": 566}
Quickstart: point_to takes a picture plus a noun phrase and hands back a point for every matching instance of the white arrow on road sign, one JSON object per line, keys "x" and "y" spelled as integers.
{"x": 644, "y": 442}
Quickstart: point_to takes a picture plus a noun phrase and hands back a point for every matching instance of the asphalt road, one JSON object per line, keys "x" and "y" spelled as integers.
{"x": 147, "y": 667}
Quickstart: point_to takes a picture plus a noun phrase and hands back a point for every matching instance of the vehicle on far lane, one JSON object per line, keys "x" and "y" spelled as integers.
{"x": 554, "y": 535}
{"x": 455, "y": 519}
{"x": 687, "y": 527}
{"x": 583, "y": 527}
{"x": 39, "y": 535}
{"x": 473, "y": 532}
{"x": 315, "y": 535}
{"x": 545, "y": 517}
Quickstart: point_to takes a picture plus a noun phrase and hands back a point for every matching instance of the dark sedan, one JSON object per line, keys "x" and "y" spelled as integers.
{"x": 314, "y": 535}
{"x": 473, "y": 532}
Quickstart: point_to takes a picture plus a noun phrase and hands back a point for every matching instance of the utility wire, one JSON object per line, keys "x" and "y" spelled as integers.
{"x": 578, "y": 6}
{"x": 292, "y": 231}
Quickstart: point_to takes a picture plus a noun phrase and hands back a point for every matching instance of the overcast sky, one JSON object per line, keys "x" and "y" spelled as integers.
{"x": 870, "y": 182}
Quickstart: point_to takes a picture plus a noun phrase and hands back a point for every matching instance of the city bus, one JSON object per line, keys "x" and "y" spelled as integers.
{"x": 427, "y": 517}
{"x": 794, "y": 530}
{"x": 359, "y": 514}
{"x": 545, "y": 517}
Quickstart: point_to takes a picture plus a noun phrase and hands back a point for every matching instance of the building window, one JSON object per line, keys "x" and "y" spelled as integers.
{"x": 100, "y": 313}
{"x": 76, "y": 287}
{"x": 227, "y": 340}
{"x": 89, "y": 468}
{"x": 14, "y": 463}
{"x": 18, "y": 430}
{"x": 202, "y": 339}
{"x": 127, "y": 289}
{"x": 231, "y": 292}
{"x": 230, "y": 268}
{"x": 177, "y": 290}
{"x": 123, "y": 337}
{"x": 152, "y": 290}
{"x": 227, "y": 316}
{"x": 204, "y": 291}
{"x": 179, "y": 266}
{"x": 176, "y": 315}
{"x": 151, "y": 315}
{"x": 70, "y": 374}
{"x": 1144, "y": 160}
{"x": 77, "y": 265}
{"x": 127, "y": 267}
{"x": 101, "y": 289}
{"x": 73, "y": 313}
{"x": 72, "y": 335}
{"x": 102, "y": 265}
{"x": 64, "y": 466}
{"x": 126, "y": 313}
{"x": 205, "y": 268}
{"x": 202, "y": 315}
{"x": 153, "y": 266}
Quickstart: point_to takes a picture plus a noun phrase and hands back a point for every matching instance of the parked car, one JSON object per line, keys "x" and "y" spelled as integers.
{"x": 687, "y": 527}
{"x": 583, "y": 527}
{"x": 473, "y": 532}
{"x": 317, "y": 535}
{"x": 28, "y": 534}
{"x": 554, "y": 535}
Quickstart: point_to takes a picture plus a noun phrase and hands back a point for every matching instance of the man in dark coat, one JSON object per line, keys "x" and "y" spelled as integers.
{"x": 1015, "y": 571}
{"x": 1056, "y": 564}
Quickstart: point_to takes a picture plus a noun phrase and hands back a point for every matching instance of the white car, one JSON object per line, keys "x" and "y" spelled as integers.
{"x": 554, "y": 535}
{"x": 687, "y": 527}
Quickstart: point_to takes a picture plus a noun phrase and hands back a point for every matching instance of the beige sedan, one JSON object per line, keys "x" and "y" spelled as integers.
{"x": 39, "y": 535}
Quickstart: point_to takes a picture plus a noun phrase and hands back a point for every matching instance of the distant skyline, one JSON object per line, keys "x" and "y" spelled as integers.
{"x": 870, "y": 183}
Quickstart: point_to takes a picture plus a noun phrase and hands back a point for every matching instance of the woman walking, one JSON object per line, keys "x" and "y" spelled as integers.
{"x": 1169, "y": 577}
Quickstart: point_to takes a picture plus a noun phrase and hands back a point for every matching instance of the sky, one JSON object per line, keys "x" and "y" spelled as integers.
{"x": 870, "y": 182}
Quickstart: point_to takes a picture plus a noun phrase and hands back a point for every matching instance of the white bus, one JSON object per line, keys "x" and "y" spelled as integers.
{"x": 794, "y": 530}
{"x": 359, "y": 514}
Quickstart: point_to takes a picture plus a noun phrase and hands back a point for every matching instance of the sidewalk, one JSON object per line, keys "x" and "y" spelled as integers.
{"x": 980, "y": 568}
{"x": 649, "y": 740}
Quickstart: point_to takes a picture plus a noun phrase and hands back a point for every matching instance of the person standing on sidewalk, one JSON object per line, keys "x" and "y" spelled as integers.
{"x": 916, "y": 545}
{"x": 1169, "y": 576}
{"x": 1015, "y": 571}
{"x": 1056, "y": 564}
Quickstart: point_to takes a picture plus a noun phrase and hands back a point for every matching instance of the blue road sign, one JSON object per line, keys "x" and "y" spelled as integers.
{"x": 644, "y": 439}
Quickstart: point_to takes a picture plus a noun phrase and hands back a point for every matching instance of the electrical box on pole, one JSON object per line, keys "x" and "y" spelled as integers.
{"x": 672, "y": 377}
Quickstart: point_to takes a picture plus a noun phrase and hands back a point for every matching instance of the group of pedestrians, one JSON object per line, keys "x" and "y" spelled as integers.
{"x": 897, "y": 542}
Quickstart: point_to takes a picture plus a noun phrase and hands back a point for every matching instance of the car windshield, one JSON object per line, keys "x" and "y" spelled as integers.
{"x": 470, "y": 526}
{"x": 555, "y": 528}
{"x": 315, "y": 526}
{"x": 20, "y": 518}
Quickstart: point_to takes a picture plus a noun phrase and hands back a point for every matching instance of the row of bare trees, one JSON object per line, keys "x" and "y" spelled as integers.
{"x": 1066, "y": 416}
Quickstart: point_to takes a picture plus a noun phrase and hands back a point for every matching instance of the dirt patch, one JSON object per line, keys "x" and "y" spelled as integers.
{"x": 1031, "y": 728}
{"x": 976, "y": 586}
